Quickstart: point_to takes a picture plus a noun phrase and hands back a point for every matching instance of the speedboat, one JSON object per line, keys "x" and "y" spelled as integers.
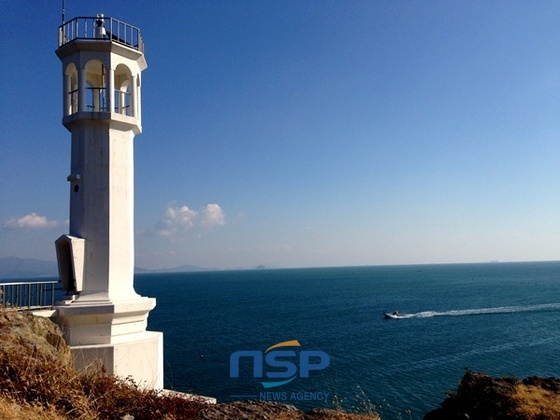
{"x": 394, "y": 315}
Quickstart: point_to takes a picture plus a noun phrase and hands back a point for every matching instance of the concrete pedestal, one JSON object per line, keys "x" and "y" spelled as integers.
{"x": 114, "y": 333}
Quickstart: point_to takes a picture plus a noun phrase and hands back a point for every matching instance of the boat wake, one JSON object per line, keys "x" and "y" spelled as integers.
{"x": 484, "y": 311}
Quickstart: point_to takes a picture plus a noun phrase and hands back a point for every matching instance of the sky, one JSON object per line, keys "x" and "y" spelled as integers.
{"x": 305, "y": 133}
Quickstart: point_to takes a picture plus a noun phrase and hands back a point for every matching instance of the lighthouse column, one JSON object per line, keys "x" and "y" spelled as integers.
{"x": 101, "y": 315}
{"x": 66, "y": 88}
{"x": 81, "y": 89}
{"x": 133, "y": 97}
{"x": 111, "y": 90}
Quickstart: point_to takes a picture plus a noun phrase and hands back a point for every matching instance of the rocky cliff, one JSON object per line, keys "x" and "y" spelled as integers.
{"x": 483, "y": 397}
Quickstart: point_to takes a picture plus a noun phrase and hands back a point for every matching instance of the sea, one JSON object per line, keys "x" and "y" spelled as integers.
{"x": 330, "y": 340}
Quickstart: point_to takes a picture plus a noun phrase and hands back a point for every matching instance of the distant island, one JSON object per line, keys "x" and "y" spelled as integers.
{"x": 12, "y": 268}
{"x": 19, "y": 268}
{"x": 185, "y": 268}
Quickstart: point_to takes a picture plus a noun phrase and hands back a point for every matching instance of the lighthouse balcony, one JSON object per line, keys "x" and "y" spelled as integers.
{"x": 96, "y": 101}
{"x": 99, "y": 28}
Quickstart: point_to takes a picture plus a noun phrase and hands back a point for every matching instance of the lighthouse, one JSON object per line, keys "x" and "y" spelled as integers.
{"x": 101, "y": 316}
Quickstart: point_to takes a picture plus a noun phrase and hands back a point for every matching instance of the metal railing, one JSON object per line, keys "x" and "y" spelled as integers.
{"x": 122, "y": 102}
{"x": 96, "y": 99}
{"x": 29, "y": 295}
{"x": 99, "y": 28}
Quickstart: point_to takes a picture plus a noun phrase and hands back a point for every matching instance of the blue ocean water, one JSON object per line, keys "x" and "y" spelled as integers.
{"x": 502, "y": 318}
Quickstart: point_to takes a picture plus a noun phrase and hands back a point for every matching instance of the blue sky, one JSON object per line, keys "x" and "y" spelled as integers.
{"x": 306, "y": 133}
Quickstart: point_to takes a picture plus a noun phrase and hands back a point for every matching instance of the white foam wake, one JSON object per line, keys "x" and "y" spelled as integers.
{"x": 482, "y": 311}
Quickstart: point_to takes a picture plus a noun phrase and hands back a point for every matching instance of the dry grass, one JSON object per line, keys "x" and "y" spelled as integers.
{"x": 341, "y": 415}
{"x": 535, "y": 403}
{"x": 17, "y": 411}
{"x": 37, "y": 380}
{"x": 326, "y": 415}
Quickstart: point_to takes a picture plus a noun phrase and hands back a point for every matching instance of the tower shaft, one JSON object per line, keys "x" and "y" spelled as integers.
{"x": 101, "y": 315}
{"x": 102, "y": 206}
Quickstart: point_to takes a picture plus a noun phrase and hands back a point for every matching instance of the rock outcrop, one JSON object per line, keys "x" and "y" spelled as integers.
{"x": 23, "y": 333}
{"x": 270, "y": 410}
{"x": 483, "y": 397}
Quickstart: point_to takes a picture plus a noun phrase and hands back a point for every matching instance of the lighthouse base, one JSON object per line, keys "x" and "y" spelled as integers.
{"x": 114, "y": 334}
{"x": 140, "y": 359}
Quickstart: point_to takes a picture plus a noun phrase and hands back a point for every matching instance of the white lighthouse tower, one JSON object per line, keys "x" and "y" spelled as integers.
{"x": 101, "y": 316}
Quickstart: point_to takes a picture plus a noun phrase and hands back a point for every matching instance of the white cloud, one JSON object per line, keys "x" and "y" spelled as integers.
{"x": 183, "y": 218}
{"x": 30, "y": 221}
{"x": 212, "y": 215}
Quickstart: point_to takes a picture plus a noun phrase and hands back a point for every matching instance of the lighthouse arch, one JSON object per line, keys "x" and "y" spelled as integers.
{"x": 96, "y": 86}
{"x": 124, "y": 95}
{"x": 70, "y": 89}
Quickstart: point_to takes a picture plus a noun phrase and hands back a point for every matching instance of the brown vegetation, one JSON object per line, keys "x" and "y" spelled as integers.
{"x": 37, "y": 380}
{"x": 483, "y": 397}
{"x": 276, "y": 411}
{"x": 533, "y": 402}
